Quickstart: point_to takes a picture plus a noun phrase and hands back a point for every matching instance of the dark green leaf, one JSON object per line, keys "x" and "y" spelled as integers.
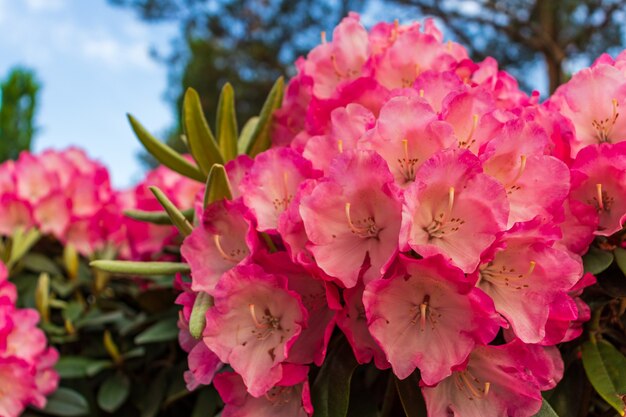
{"x": 546, "y": 410}
{"x": 217, "y": 185}
{"x": 113, "y": 392}
{"x": 567, "y": 397}
{"x": 226, "y": 123}
{"x": 140, "y": 268}
{"x": 164, "y": 154}
{"x": 261, "y": 140}
{"x": 201, "y": 141}
{"x": 597, "y": 260}
{"x": 66, "y": 402}
{"x": 150, "y": 402}
{"x": 620, "y": 258}
{"x": 161, "y": 331}
{"x": 37, "y": 262}
{"x": 606, "y": 369}
{"x": 411, "y": 395}
{"x": 330, "y": 393}
{"x": 73, "y": 311}
{"x": 70, "y": 367}
{"x": 156, "y": 217}
{"x": 179, "y": 220}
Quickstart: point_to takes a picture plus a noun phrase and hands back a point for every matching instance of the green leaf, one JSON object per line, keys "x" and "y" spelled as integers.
{"x": 217, "y": 185}
{"x": 140, "y": 268}
{"x": 113, "y": 392}
{"x": 620, "y": 258}
{"x": 37, "y": 262}
{"x": 411, "y": 395}
{"x": 201, "y": 141}
{"x": 261, "y": 140}
{"x": 226, "y": 123}
{"x": 73, "y": 311}
{"x": 606, "y": 369}
{"x": 156, "y": 217}
{"x": 546, "y": 411}
{"x": 21, "y": 242}
{"x": 66, "y": 402}
{"x": 330, "y": 393}
{"x": 597, "y": 260}
{"x": 164, "y": 154}
{"x": 162, "y": 331}
{"x": 75, "y": 367}
{"x": 246, "y": 134}
{"x": 197, "y": 321}
{"x": 151, "y": 400}
{"x": 179, "y": 220}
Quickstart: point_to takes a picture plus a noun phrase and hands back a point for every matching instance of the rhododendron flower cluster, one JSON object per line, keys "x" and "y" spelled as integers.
{"x": 27, "y": 372}
{"x": 61, "y": 193}
{"x": 416, "y": 200}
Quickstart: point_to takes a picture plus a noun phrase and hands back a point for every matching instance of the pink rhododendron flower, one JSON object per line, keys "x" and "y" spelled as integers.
{"x": 453, "y": 209}
{"x": 290, "y": 397}
{"x": 428, "y": 316}
{"x": 497, "y": 381}
{"x": 27, "y": 372}
{"x": 253, "y": 325}
{"x": 352, "y": 215}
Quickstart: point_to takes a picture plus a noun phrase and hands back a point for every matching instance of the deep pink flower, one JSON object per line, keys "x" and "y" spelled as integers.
{"x": 428, "y": 316}
{"x": 352, "y": 214}
{"x": 453, "y": 209}
{"x": 290, "y": 397}
{"x": 253, "y": 325}
{"x": 497, "y": 381}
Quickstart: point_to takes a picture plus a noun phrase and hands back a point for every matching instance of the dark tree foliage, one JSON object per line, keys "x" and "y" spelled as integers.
{"x": 18, "y": 103}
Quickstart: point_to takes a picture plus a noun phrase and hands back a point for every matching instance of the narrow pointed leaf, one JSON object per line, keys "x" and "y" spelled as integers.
{"x": 156, "y": 217}
{"x": 178, "y": 218}
{"x": 226, "y": 123}
{"x": 606, "y": 369}
{"x": 261, "y": 139}
{"x": 197, "y": 321}
{"x": 246, "y": 134}
{"x": 163, "y": 153}
{"x": 411, "y": 396}
{"x": 330, "y": 392}
{"x": 200, "y": 139}
{"x": 140, "y": 268}
{"x": 217, "y": 185}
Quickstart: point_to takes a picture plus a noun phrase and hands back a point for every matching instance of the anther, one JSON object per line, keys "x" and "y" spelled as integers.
{"x": 599, "y": 196}
{"x": 421, "y": 93}
{"x": 450, "y": 200}
{"x": 340, "y": 145}
{"x": 258, "y": 324}
{"x": 423, "y": 309}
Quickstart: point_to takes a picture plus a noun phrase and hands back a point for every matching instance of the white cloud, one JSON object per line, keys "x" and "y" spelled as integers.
{"x": 44, "y": 5}
{"x": 117, "y": 54}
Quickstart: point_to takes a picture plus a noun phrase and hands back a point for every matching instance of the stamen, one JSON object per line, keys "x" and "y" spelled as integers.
{"x": 487, "y": 386}
{"x": 258, "y": 324}
{"x": 405, "y": 147}
{"x": 220, "y": 249}
{"x": 354, "y": 228}
{"x": 476, "y": 392}
{"x": 423, "y": 309}
{"x": 599, "y": 196}
{"x": 531, "y": 268}
{"x": 522, "y": 167}
{"x": 323, "y": 36}
{"x": 615, "y": 113}
{"x": 450, "y": 201}
{"x": 340, "y": 145}
{"x": 394, "y": 32}
{"x": 468, "y": 142}
{"x": 422, "y": 93}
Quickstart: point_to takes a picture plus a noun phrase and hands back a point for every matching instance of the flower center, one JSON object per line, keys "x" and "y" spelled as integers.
{"x": 444, "y": 223}
{"x": 407, "y": 165}
{"x": 506, "y": 276}
{"x": 279, "y": 396}
{"x": 472, "y": 386}
{"x": 282, "y": 202}
{"x": 604, "y": 127}
{"x": 265, "y": 327}
{"x": 365, "y": 228}
{"x": 424, "y": 312}
{"x": 601, "y": 200}
{"x": 234, "y": 255}
{"x": 512, "y": 186}
{"x": 469, "y": 141}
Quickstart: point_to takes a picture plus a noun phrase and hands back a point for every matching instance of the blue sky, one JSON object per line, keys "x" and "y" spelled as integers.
{"x": 94, "y": 63}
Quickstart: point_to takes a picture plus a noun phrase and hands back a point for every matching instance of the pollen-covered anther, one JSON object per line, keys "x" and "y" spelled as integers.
{"x": 365, "y": 228}
{"x": 507, "y": 276}
{"x": 469, "y": 141}
{"x": 227, "y": 256}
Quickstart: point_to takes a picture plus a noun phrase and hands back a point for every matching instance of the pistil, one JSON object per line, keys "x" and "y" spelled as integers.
{"x": 220, "y": 249}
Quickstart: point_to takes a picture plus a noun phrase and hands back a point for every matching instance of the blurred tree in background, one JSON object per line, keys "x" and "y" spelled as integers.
{"x": 18, "y": 104}
{"x": 251, "y": 42}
